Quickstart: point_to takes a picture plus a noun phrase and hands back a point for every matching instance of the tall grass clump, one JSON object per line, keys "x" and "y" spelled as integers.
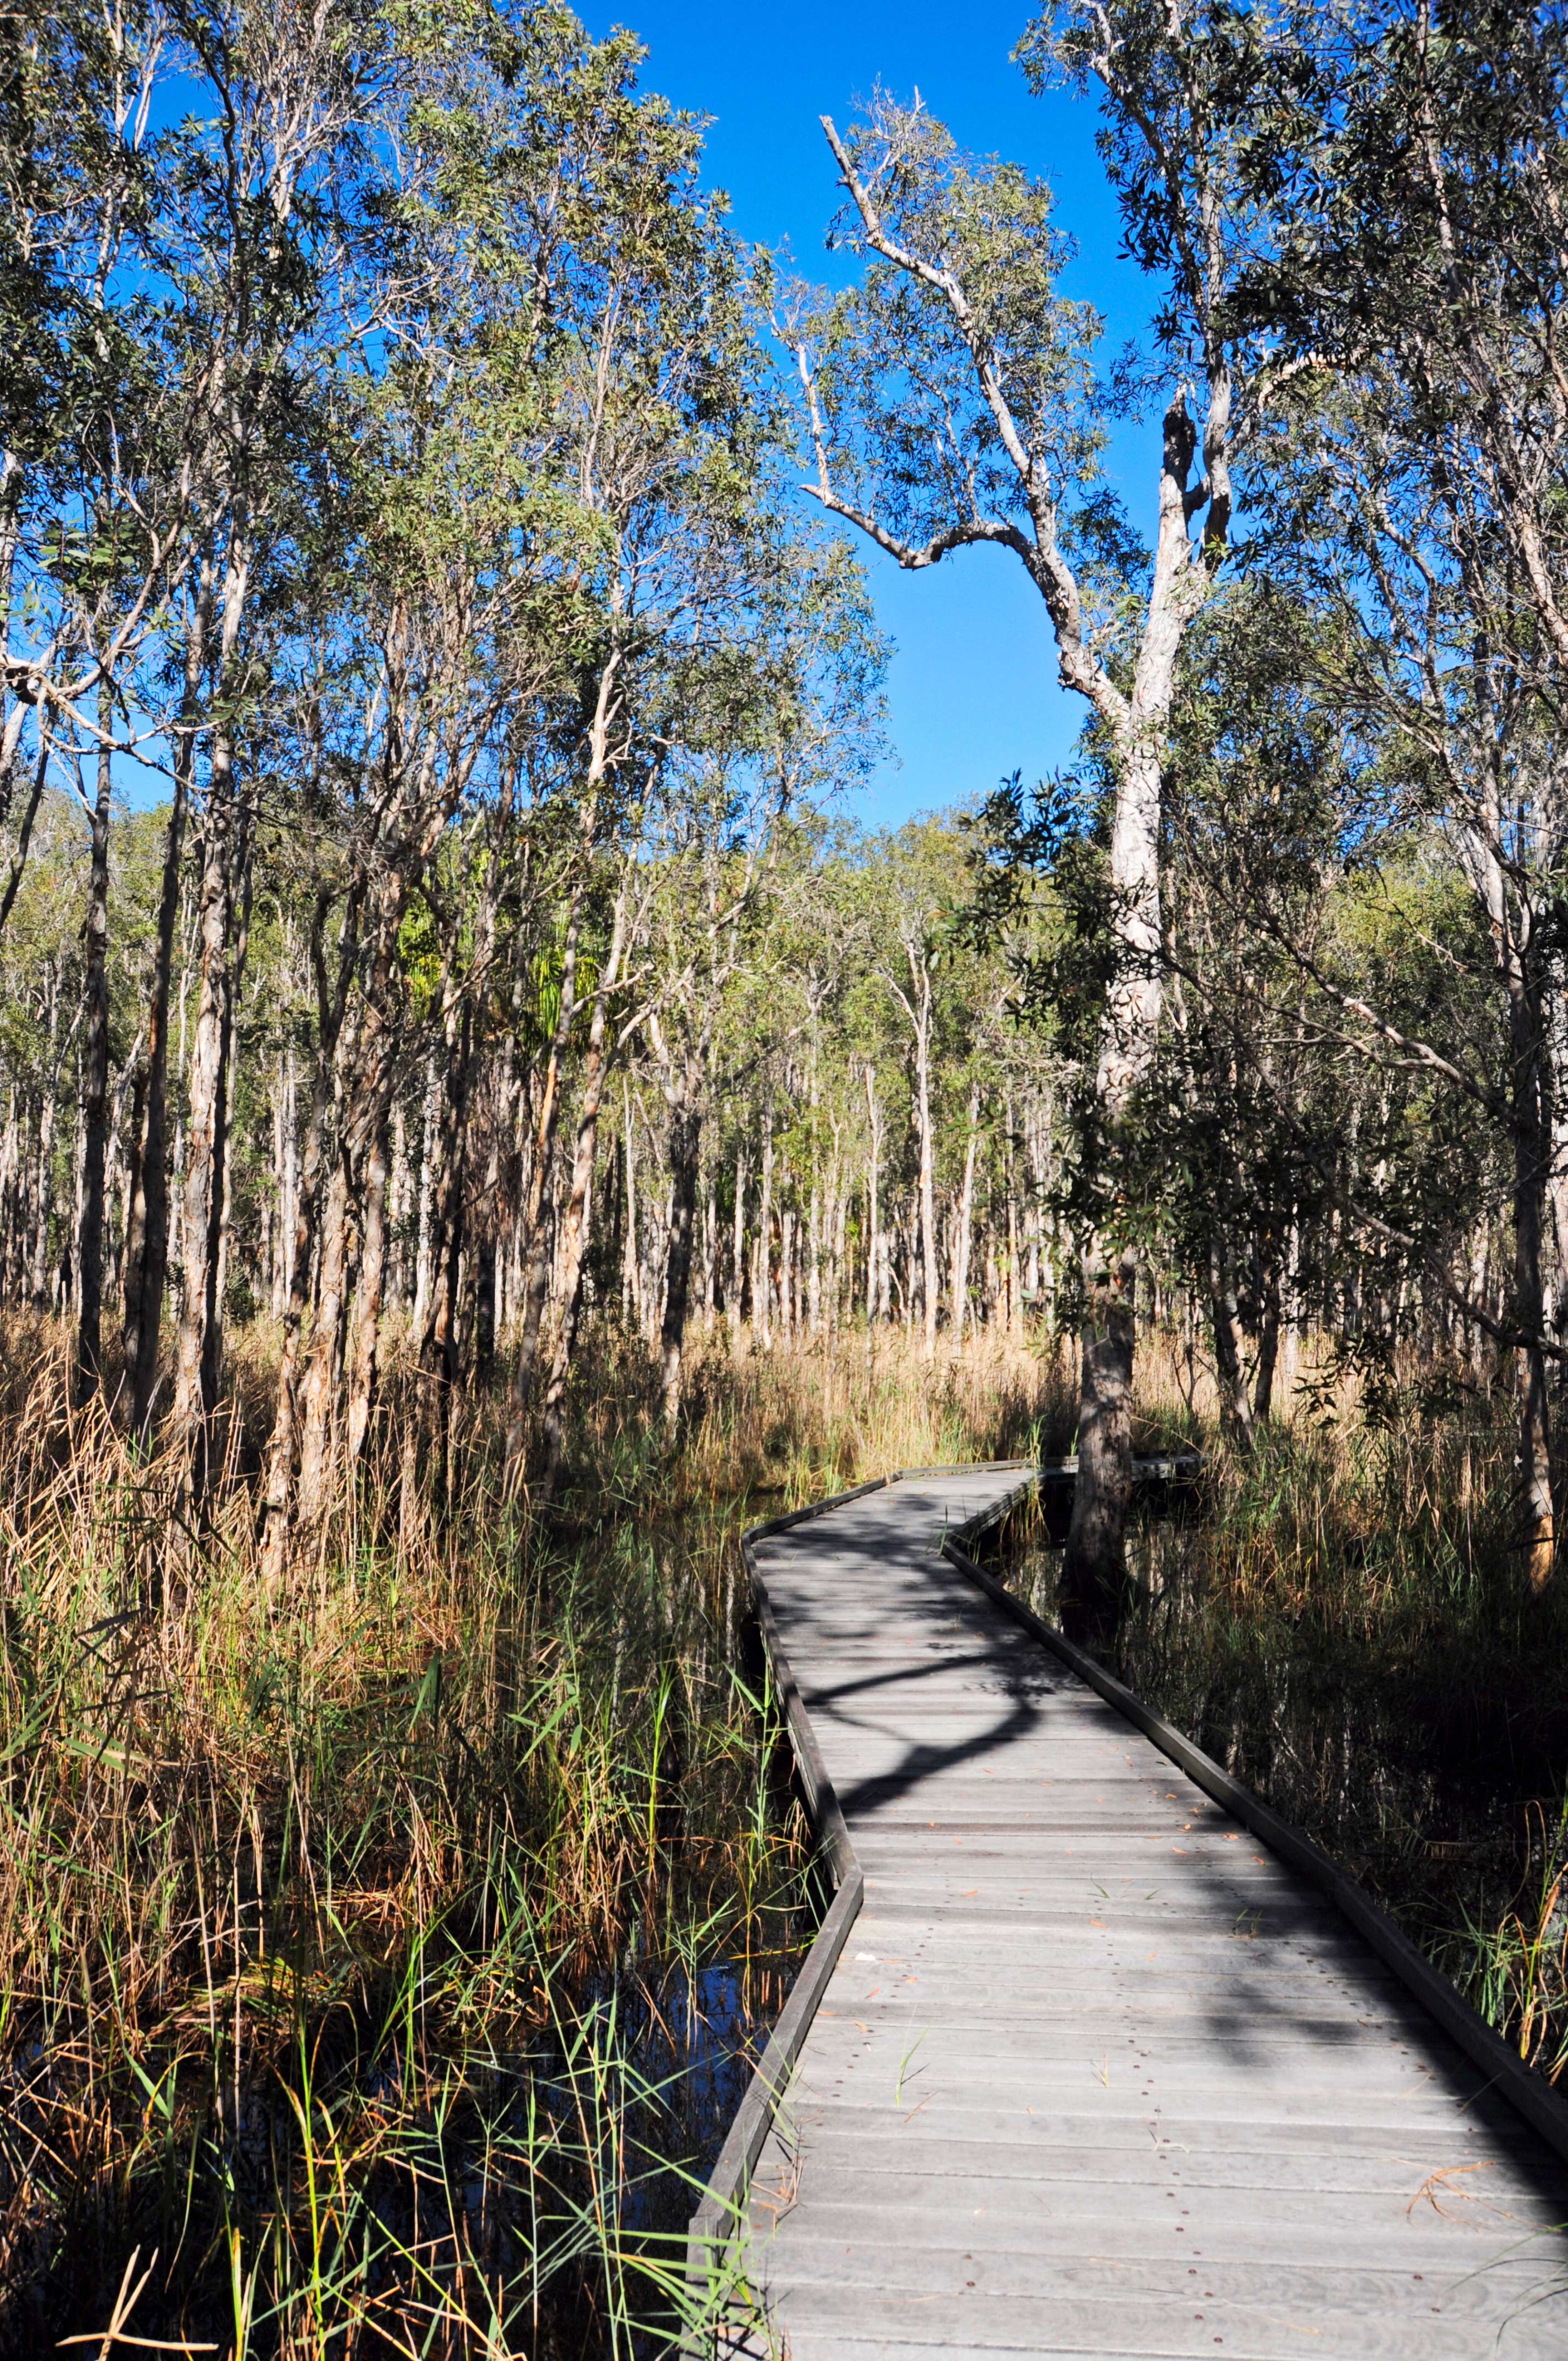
{"x": 1341, "y": 1617}
{"x": 382, "y": 1959}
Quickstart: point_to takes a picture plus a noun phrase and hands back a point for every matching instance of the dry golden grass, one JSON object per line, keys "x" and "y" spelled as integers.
{"x": 318, "y": 1911}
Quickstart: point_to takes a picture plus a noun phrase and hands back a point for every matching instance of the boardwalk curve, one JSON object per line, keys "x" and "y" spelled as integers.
{"x": 1078, "y": 2064}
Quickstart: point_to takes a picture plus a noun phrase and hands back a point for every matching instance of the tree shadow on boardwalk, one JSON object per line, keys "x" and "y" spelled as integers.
{"x": 1292, "y": 1982}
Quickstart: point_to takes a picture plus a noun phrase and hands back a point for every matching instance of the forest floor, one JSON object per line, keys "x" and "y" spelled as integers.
{"x": 382, "y": 1959}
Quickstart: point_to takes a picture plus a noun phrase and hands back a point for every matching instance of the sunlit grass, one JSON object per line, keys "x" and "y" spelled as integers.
{"x": 1344, "y": 1623}
{"x": 370, "y": 1954}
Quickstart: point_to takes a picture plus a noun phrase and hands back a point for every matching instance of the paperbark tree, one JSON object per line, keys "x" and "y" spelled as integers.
{"x": 917, "y": 1001}
{"x": 255, "y": 263}
{"x": 1417, "y": 287}
{"x": 950, "y": 403}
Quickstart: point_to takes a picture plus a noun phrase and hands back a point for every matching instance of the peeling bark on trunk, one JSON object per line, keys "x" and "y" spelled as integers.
{"x": 430, "y": 1120}
{"x": 928, "y": 1164}
{"x": 875, "y": 1304}
{"x": 574, "y": 1229}
{"x": 542, "y": 1205}
{"x": 367, "y": 1308}
{"x": 965, "y": 1232}
{"x": 147, "y": 1244}
{"x": 43, "y": 1185}
{"x": 1518, "y": 936}
{"x": 738, "y": 1252}
{"x": 319, "y": 1392}
{"x": 685, "y": 1136}
{"x": 199, "y": 1335}
{"x": 1535, "y": 1436}
{"x": 286, "y": 1419}
{"x": 1235, "y": 1401}
{"x": 763, "y": 1292}
{"x": 1095, "y": 1558}
{"x": 438, "y": 1345}
{"x": 95, "y": 1076}
{"x": 1094, "y": 1565}
{"x": 1268, "y": 1347}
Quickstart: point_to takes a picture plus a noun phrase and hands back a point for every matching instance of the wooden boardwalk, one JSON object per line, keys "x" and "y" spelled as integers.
{"x": 1095, "y": 2072}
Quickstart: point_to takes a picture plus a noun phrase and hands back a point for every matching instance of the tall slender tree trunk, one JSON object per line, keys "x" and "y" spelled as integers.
{"x": 876, "y": 1244}
{"x": 574, "y": 1229}
{"x": 1094, "y": 1562}
{"x": 927, "y": 1172}
{"x": 1523, "y": 975}
{"x": 738, "y": 1252}
{"x": 540, "y": 1206}
{"x": 763, "y": 1292}
{"x": 1235, "y": 1400}
{"x": 814, "y": 1208}
{"x": 358, "y": 1184}
{"x": 367, "y": 1304}
{"x": 632, "y": 1281}
{"x": 787, "y": 1272}
{"x": 286, "y": 1421}
{"x": 685, "y": 1136}
{"x": 1014, "y": 1314}
{"x": 965, "y": 1233}
{"x": 429, "y": 1118}
{"x": 43, "y": 1185}
{"x": 147, "y": 1244}
{"x": 199, "y": 1338}
{"x": 305, "y": 1196}
{"x": 319, "y": 1392}
{"x": 1267, "y": 1344}
{"x": 96, "y": 1072}
{"x": 1531, "y": 1163}
{"x": 438, "y": 1346}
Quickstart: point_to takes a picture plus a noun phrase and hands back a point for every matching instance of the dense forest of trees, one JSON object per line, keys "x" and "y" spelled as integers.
{"x": 432, "y": 913}
{"x": 479, "y": 1108}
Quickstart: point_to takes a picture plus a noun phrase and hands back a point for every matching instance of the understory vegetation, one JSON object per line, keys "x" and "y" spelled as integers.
{"x": 1336, "y": 1615}
{"x": 483, "y": 1117}
{"x": 383, "y": 1957}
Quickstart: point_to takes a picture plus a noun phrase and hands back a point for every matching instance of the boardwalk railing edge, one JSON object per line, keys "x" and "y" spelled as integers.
{"x": 719, "y": 2218}
{"x": 1508, "y": 2073}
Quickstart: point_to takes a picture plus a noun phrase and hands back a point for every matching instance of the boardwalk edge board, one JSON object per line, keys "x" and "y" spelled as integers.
{"x": 720, "y": 2216}
{"x": 1536, "y": 2101}
{"x": 720, "y": 2221}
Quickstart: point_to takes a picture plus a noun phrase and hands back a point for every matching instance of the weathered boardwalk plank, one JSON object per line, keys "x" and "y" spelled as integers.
{"x": 1096, "y": 2072}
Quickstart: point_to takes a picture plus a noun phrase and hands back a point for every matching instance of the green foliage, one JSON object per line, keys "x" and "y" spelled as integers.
{"x": 908, "y": 428}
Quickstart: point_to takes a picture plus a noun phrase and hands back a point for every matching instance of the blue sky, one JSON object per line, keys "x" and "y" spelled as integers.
{"x": 972, "y": 686}
{"x": 972, "y": 691}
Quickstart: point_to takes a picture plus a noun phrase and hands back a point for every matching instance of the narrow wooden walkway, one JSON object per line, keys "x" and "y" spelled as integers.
{"x": 1095, "y": 2073}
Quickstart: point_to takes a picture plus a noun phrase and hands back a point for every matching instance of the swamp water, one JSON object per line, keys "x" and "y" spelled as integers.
{"x": 501, "y": 1937}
